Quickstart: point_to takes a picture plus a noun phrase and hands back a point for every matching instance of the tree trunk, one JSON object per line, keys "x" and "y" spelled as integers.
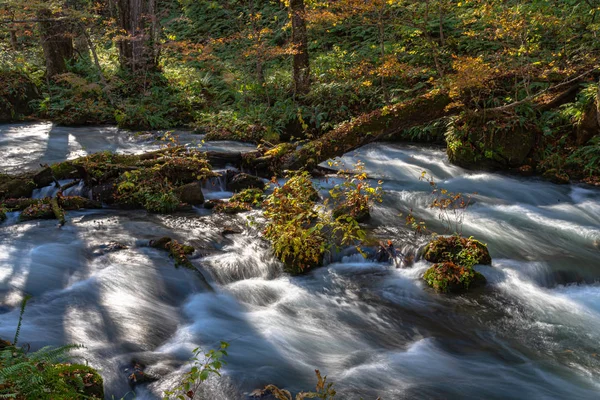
{"x": 57, "y": 42}
{"x": 14, "y": 42}
{"x": 138, "y": 46}
{"x": 300, "y": 41}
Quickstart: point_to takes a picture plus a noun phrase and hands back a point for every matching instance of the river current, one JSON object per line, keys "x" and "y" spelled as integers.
{"x": 532, "y": 333}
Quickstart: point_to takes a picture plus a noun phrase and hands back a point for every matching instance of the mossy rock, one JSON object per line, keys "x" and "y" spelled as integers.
{"x": 491, "y": 142}
{"x": 2, "y": 214}
{"x": 176, "y": 250}
{"x": 245, "y": 181}
{"x": 93, "y": 384}
{"x": 41, "y": 210}
{"x": 463, "y": 251}
{"x": 63, "y": 170}
{"x": 77, "y": 203}
{"x": 448, "y": 277}
{"x": 361, "y": 215}
{"x": 190, "y": 193}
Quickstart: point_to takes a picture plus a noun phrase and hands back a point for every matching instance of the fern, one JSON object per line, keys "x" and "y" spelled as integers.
{"x": 18, "y": 331}
{"x": 45, "y": 374}
{"x": 588, "y": 156}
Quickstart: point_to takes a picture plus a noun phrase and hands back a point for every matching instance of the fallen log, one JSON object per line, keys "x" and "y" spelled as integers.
{"x": 59, "y": 213}
{"x": 377, "y": 125}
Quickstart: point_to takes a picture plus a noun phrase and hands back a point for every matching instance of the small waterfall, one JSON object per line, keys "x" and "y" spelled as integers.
{"x": 46, "y": 191}
{"x": 215, "y": 187}
{"x": 52, "y": 190}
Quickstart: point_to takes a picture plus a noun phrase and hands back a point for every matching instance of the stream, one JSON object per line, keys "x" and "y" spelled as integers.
{"x": 532, "y": 333}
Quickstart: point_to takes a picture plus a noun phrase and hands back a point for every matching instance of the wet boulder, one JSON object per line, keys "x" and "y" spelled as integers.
{"x": 137, "y": 375}
{"x": 190, "y": 193}
{"x": 492, "y": 142}
{"x": 243, "y": 181}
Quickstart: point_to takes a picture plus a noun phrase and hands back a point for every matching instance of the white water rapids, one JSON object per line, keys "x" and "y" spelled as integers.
{"x": 532, "y": 333}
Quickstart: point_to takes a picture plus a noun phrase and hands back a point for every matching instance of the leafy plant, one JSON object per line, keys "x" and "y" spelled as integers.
{"x": 452, "y": 206}
{"x": 203, "y": 365}
{"x": 46, "y": 373}
{"x": 355, "y": 196}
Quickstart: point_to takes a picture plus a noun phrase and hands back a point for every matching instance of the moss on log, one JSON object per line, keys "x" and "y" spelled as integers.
{"x": 377, "y": 125}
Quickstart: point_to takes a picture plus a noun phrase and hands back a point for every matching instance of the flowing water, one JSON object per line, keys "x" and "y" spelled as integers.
{"x": 532, "y": 333}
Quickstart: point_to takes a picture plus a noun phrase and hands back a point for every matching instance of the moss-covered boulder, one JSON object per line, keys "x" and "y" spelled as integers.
{"x": 245, "y": 181}
{"x": 178, "y": 251}
{"x": 2, "y": 214}
{"x": 476, "y": 141}
{"x": 93, "y": 385}
{"x": 448, "y": 277}
{"x": 40, "y": 210}
{"x": 190, "y": 193}
{"x": 463, "y": 251}
{"x": 454, "y": 258}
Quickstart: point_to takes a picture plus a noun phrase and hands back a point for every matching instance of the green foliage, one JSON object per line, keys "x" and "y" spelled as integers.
{"x": 202, "y": 367}
{"x": 292, "y": 226}
{"x": 454, "y": 259}
{"x": 588, "y": 157}
{"x": 447, "y": 276}
{"x": 153, "y": 187}
{"x": 252, "y": 197}
{"x": 355, "y": 197}
{"x": 466, "y": 252}
{"x": 45, "y": 374}
{"x": 301, "y": 231}
{"x": 74, "y": 100}
{"x": 232, "y": 207}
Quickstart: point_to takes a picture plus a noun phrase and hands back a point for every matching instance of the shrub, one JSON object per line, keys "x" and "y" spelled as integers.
{"x": 201, "y": 369}
{"x": 355, "y": 196}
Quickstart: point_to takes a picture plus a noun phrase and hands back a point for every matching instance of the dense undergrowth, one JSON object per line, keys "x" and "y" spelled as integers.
{"x": 224, "y": 70}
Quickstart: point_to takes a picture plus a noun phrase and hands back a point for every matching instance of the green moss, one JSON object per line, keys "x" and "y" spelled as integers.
{"x": 63, "y": 170}
{"x": 40, "y": 210}
{"x": 75, "y": 375}
{"x": 463, "y": 251}
{"x": 448, "y": 277}
{"x": 2, "y": 214}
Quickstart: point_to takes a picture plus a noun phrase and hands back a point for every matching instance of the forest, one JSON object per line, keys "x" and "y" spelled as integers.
{"x": 425, "y": 168}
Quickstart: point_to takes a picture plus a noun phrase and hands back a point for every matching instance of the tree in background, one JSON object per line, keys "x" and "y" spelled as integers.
{"x": 138, "y": 44}
{"x": 301, "y": 64}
